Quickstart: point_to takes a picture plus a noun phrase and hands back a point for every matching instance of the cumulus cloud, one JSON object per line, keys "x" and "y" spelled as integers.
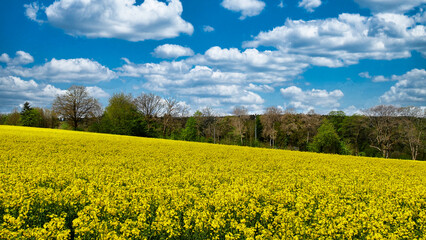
{"x": 172, "y": 51}
{"x": 341, "y": 41}
{"x": 311, "y": 99}
{"x": 397, "y": 6}
{"x": 248, "y": 8}
{"x": 207, "y": 28}
{"x": 258, "y": 66}
{"x": 97, "y": 92}
{"x": 202, "y": 85}
{"x": 21, "y": 58}
{"x": 410, "y": 89}
{"x": 121, "y": 19}
{"x": 79, "y": 70}
{"x": 15, "y": 91}
{"x": 31, "y": 11}
{"x": 309, "y": 5}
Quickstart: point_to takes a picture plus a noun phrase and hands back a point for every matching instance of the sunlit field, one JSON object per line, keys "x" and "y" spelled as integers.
{"x": 66, "y": 184}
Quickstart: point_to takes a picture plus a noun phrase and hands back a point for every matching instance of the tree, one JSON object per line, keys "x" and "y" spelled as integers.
{"x": 241, "y": 114}
{"x": 327, "y": 140}
{"x": 121, "y": 115}
{"x": 13, "y": 118}
{"x": 270, "y": 120}
{"x": 310, "y": 123}
{"x": 190, "y": 131}
{"x": 207, "y": 124}
{"x": 76, "y": 105}
{"x": 382, "y": 120}
{"x": 354, "y": 131}
{"x": 31, "y": 117}
{"x": 291, "y": 128}
{"x": 150, "y": 106}
{"x": 224, "y": 129}
{"x": 336, "y": 118}
{"x": 413, "y": 128}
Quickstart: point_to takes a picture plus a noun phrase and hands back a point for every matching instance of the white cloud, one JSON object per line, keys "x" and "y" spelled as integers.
{"x": 97, "y": 92}
{"x": 201, "y": 85}
{"x": 248, "y": 8}
{"x": 397, "y": 6}
{"x": 172, "y": 51}
{"x": 311, "y": 99}
{"x": 380, "y": 78}
{"x": 409, "y": 90}
{"x": 260, "y": 88}
{"x": 31, "y": 11}
{"x": 79, "y": 70}
{"x": 309, "y": 5}
{"x": 207, "y": 28}
{"x": 341, "y": 41}
{"x": 351, "y": 110}
{"x": 365, "y": 75}
{"x": 15, "y": 91}
{"x": 4, "y": 58}
{"x": 121, "y": 19}
{"x": 281, "y": 4}
{"x": 21, "y": 58}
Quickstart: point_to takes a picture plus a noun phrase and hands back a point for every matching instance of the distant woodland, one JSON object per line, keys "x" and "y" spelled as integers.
{"x": 382, "y": 131}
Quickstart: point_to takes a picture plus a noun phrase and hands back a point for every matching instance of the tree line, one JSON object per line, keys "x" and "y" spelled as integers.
{"x": 381, "y": 131}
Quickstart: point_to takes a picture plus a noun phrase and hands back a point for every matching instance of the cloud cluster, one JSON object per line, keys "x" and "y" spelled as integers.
{"x": 336, "y": 42}
{"x": 248, "y": 8}
{"x": 21, "y": 58}
{"x": 15, "y": 91}
{"x": 17, "y": 83}
{"x": 410, "y": 89}
{"x": 311, "y": 99}
{"x": 202, "y": 85}
{"x": 396, "y": 6}
{"x": 78, "y": 70}
{"x": 172, "y": 51}
{"x": 121, "y": 19}
{"x": 309, "y": 5}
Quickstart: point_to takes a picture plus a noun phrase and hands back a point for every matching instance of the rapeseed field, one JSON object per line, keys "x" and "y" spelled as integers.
{"x": 76, "y": 185}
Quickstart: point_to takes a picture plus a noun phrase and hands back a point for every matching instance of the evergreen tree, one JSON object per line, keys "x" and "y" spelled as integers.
{"x": 30, "y": 117}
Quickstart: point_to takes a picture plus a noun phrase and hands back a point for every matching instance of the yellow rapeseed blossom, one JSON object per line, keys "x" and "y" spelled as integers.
{"x": 57, "y": 184}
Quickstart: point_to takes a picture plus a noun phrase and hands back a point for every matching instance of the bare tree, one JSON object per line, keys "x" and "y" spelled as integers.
{"x": 149, "y": 104}
{"x": 241, "y": 114}
{"x": 311, "y": 122}
{"x": 172, "y": 110}
{"x": 269, "y": 121}
{"x": 383, "y": 122}
{"x": 76, "y": 105}
{"x": 413, "y": 126}
{"x": 208, "y": 123}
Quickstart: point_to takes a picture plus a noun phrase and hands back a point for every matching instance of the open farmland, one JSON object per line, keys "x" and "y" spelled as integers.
{"x": 66, "y": 184}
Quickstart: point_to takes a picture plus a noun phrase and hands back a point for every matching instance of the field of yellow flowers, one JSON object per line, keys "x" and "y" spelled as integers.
{"x": 76, "y": 185}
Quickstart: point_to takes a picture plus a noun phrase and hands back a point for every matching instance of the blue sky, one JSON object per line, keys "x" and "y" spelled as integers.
{"x": 304, "y": 54}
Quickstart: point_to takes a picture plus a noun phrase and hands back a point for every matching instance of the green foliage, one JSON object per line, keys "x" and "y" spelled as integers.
{"x": 326, "y": 140}
{"x": 13, "y": 118}
{"x": 337, "y": 118}
{"x": 190, "y": 131}
{"x": 120, "y": 114}
{"x": 31, "y": 117}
